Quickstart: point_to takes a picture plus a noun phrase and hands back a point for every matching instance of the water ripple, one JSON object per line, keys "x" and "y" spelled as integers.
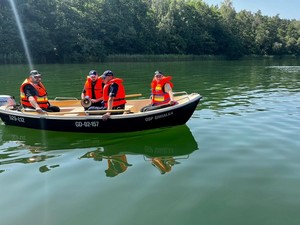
{"x": 286, "y": 69}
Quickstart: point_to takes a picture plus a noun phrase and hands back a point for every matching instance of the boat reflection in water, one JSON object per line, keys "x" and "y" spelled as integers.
{"x": 163, "y": 148}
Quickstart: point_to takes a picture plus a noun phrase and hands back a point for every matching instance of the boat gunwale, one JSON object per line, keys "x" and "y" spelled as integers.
{"x": 69, "y": 116}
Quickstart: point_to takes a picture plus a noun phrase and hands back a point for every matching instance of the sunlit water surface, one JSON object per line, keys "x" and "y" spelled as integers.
{"x": 236, "y": 161}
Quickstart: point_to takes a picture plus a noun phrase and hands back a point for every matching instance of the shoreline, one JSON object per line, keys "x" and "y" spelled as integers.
{"x": 174, "y": 57}
{"x": 169, "y": 58}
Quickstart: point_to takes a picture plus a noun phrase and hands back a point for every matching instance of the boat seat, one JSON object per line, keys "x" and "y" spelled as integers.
{"x": 76, "y": 109}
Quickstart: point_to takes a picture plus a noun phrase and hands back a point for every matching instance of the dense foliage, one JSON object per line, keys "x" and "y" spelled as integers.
{"x": 90, "y": 30}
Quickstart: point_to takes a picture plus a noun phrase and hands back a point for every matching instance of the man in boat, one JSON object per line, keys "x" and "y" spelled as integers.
{"x": 161, "y": 89}
{"x": 93, "y": 91}
{"x": 113, "y": 93}
{"x": 161, "y": 92}
{"x": 33, "y": 94}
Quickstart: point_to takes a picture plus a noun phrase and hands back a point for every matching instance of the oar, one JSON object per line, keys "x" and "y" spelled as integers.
{"x": 151, "y": 108}
{"x": 71, "y": 101}
{"x": 91, "y": 112}
{"x": 133, "y": 95}
{"x": 86, "y": 102}
{"x": 73, "y": 98}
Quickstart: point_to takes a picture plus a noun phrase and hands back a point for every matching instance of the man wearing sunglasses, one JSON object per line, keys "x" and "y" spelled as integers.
{"x": 33, "y": 94}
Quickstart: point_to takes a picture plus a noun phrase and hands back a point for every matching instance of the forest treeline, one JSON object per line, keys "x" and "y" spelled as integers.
{"x": 67, "y": 31}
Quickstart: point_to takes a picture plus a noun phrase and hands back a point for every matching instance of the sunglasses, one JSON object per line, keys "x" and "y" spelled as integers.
{"x": 158, "y": 75}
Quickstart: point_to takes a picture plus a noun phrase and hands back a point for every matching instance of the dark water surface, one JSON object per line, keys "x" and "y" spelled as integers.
{"x": 236, "y": 161}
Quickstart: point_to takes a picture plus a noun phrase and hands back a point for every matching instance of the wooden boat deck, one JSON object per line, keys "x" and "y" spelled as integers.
{"x": 73, "y": 107}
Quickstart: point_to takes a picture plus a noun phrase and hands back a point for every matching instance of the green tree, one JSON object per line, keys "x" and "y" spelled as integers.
{"x": 232, "y": 43}
{"x": 246, "y": 26}
{"x": 85, "y": 31}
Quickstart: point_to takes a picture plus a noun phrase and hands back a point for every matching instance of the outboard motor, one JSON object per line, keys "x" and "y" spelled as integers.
{"x": 7, "y": 100}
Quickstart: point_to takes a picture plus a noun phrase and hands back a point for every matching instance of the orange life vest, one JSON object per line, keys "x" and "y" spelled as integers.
{"x": 118, "y": 163}
{"x": 41, "y": 98}
{"x": 162, "y": 165}
{"x": 159, "y": 96}
{"x": 120, "y": 98}
{"x": 98, "y": 89}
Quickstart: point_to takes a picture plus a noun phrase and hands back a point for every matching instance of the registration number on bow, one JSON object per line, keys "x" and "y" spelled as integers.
{"x": 17, "y": 118}
{"x": 87, "y": 124}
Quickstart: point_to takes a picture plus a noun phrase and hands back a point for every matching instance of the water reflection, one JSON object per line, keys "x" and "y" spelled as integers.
{"x": 116, "y": 164}
{"x": 163, "y": 148}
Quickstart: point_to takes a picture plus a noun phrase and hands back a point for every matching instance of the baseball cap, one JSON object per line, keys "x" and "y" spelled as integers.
{"x": 93, "y": 73}
{"x": 35, "y": 73}
{"x": 157, "y": 72}
{"x": 106, "y": 74}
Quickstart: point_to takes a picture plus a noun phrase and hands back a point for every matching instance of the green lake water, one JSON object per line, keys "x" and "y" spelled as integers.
{"x": 236, "y": 161}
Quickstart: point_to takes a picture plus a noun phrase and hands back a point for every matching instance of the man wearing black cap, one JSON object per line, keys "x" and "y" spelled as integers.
{"x": 113, "y": 93}
{"x": 93, "y": 90}
{"x": 33, "y": 94}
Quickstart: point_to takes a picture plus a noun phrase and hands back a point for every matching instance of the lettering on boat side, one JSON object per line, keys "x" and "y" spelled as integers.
{"x": 17, "y": 118}
{"x": 163, "y": 115}
{"x": 87, "y": 124}
{"x": 148, "y": 119}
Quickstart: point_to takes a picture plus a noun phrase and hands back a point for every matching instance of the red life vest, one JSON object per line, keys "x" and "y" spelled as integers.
{"x": 116, "y": 164}
{"x": 41, "y": 98}
{"x": 98, "y": 89}
{"x": 162, "y": 165}
{"x": 120, "y": 98}
{"x": 159, "y": 96}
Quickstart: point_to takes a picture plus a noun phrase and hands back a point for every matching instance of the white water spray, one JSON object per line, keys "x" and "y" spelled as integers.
{"x": 20, "y": 27}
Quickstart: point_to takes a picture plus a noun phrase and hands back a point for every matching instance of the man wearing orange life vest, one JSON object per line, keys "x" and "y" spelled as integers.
{"x": 113, "y": 93}
{"x": 33, "y": 94}
{"x": 93, "y": 90}
{"x": 161, "y": 90}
